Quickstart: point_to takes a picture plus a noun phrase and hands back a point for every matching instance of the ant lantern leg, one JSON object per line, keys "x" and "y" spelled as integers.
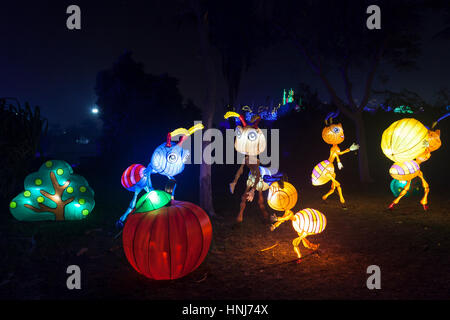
{"x": 121, "y": 222}
{"x": 240, "y": 216}
{"x": 308, "y": 244}
{"x": 339, "y": 189}
{"x": 261, "y": 205}
{"x": 333, "y": 187}
{"x": 401, "y": 195}
{"x": 296, "y": 243}
{"x": 170, "y": 186}
{"x": 426, "y": 189}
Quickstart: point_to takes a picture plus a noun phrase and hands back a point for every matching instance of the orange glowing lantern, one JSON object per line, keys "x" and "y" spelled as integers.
{"x": 164, "y": 239}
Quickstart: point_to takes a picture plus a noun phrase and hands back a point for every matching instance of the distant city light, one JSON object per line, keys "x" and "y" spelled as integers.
{"x": 94, "y": 110}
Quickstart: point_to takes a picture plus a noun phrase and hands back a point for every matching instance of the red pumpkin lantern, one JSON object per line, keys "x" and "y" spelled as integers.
{"x": 169, "y": 242}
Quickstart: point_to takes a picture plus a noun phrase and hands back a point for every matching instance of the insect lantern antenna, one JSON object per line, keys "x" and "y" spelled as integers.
{"x": 441, "y": 118}
{"x": 235, "y": 115}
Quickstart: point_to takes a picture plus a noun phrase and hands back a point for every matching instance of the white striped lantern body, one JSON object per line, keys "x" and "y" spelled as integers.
{"x": 133, "y": 178}
{"x": 404, "y": 171}
{"x": 309, "y": 221}
{"x": 322, "y": 172}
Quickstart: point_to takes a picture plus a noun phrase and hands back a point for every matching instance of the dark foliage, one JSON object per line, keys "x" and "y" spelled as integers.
{"x": 21, "y": 130}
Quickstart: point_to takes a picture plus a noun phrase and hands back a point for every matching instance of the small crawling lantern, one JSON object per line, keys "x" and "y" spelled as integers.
{"x": 165, "y": 239}
{"x": 306, "y": 222}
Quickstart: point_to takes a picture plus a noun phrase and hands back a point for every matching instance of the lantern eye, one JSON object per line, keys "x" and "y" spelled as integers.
{"x": 336, "y": 130}
{"x": 172, "y": 157}
{"x": 238, "y": 132}
{"x": 252, "y": 135}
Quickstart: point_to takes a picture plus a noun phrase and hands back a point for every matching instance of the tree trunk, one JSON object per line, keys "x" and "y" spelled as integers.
{"x": 363, "y": 161}
{"x": 209, "y": 105}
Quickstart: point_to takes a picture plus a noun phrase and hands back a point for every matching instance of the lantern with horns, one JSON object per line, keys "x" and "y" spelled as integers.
{"x": 165, "y": 239}
{"x": 409, "y": 143}
{"x": 306, "y": 222}
{"x": 53, "y": 193}
{"x": 250, "y": 141}
{"x": 168, "y": 159}
{"x": 323, "y": 172}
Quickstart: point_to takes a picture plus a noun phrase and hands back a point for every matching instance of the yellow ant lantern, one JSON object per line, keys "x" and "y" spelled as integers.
{"x": 250, "y": 141}
{"x": 323, "y": 172}
{"x": 283, "y": 197}
{"x": 409, "y": 143}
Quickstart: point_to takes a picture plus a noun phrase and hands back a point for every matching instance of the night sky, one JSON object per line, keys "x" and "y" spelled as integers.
{"x": 43, "y": 62}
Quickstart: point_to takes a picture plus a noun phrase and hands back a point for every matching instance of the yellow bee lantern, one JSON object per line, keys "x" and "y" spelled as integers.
{"x": 323, "y": 172}
{"x": 409, "y": 143}
{"x": 283, "y": 197}
{"x": 404, "y": 140}
{"x": 250, "y": 141}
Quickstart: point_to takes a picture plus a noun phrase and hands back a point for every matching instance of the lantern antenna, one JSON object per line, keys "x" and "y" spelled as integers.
{"x": 330, "y": 116}
{"x": 441, "y": 118}
{"x": 256, "y": 121}
{"x": 169, "y": 138}
{"x": 236, "y": 115}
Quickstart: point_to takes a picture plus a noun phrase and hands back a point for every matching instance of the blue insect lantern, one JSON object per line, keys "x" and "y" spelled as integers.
{"x": 168, "y": 160}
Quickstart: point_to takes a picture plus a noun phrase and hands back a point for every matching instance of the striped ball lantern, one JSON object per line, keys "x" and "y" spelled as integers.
{"x": 166, "y": 239}
{"x": 309, "y": 221}
{"x": 132, "y": 176}
{"x": 404, "y": 140}
{"x": 282, "y": 198}
{"x": 321, "y": 173}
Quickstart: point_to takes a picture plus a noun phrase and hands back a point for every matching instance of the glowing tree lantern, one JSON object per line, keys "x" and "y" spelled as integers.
{"x": 53, "y": 193}
{"x": 167, "y": 159}
{"x": 165, "y": 239}
{"x": 409, "y": 143}
{"x": 323, "y": 172}
{"x": 250, "y": 141}
{"x": 282, "y": 197}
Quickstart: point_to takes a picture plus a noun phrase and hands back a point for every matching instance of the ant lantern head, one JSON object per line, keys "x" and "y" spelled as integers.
{"x": 250, "y": 140}
{"x": 332, "y": 133}
{"x": 434, "y": 137}
{"x": 168, "y": 159}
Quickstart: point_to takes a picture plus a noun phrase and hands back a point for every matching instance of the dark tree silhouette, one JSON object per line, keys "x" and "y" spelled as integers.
{"x": 21, "y": 130}
{"x": 138, "y": 108}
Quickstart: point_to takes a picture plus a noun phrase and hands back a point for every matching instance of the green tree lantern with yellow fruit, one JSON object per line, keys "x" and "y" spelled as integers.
{"x": 54, "y": 192}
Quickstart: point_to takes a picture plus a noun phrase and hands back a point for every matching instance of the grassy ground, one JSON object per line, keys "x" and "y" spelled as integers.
{"x": 409, "y": 245}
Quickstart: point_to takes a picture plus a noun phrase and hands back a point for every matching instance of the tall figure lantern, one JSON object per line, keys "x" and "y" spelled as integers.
{"x": 251, "y": 142}
{"x": 168, "y": 159}
{"x": 283, "y": 197}
{"x": 409, "y": 143}
{"x": 323, "y": 172}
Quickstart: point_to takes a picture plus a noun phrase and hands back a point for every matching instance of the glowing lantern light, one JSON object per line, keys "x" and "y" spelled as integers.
{"x": 404, "y": 140}
{"x": 53, "y": 193}
{"x": 397, "y": 186}
{"x": 324, "y": 171}
{"x": 165, "y": 239}
{"x": 409, "y": 143}
{"x": 250, "y": 141}
{"x": 282, "y": 197}
{"x": 168, "y": 160}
